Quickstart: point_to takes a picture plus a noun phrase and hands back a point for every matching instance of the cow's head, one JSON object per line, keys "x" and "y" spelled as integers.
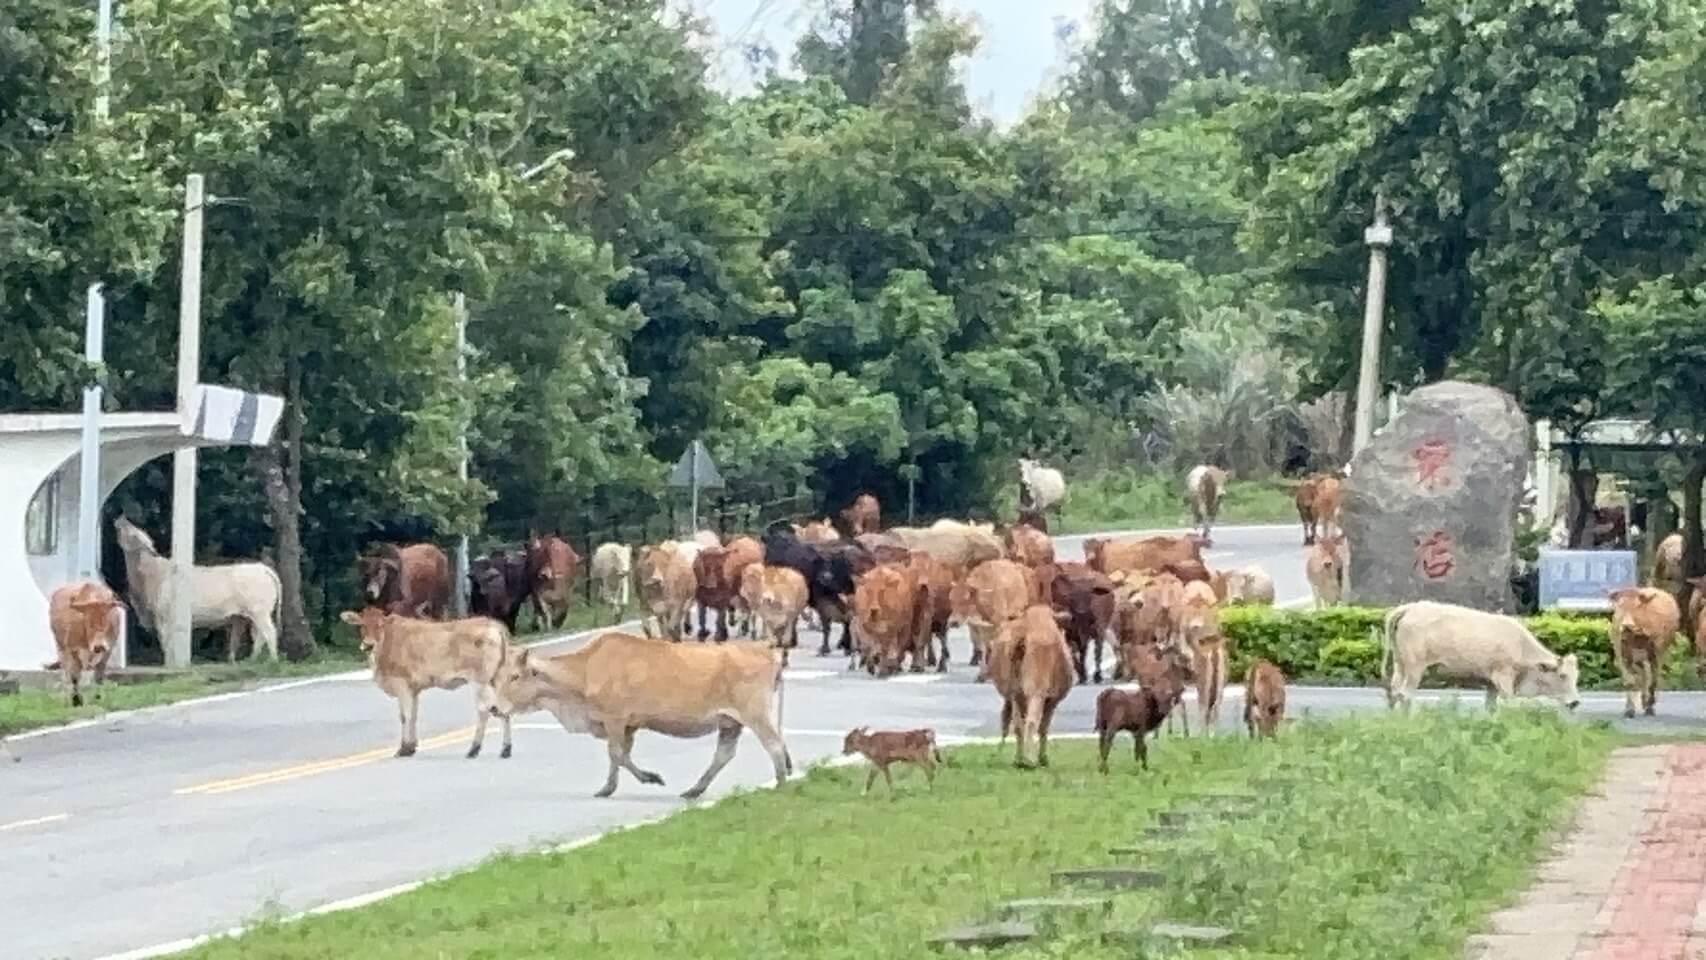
{"x": 382, "y": 574}
{"x": 855, "y": 741}
{"x": 131, "y": 539}
{"x": 1555, "y": 679}
{"x": 100, "y": 622}
{"x": 369, "y": 623}
{"x": 519, "y": 685}
{"x": 1093, "y": 548}
{"x": 489, "y": 584}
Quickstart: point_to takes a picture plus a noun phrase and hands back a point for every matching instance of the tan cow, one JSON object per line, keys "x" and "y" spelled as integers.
{"x": 741, "y": 552}
{"x": 1198, "y": 626}
{"x": 1264, "y": 699}
{"x": 1644, "y": 620}
{"x": 1151, "y": 554}
{"x": 1325, "y": 568}
{"x": 995, "y": 592}
{"x": 938, "y": 577}
{"x": 1329, "y": 491}
{"x": 409, "y": 656}
{"x": 620, "y": 684}
{"x": 1249, "y": 586}
{"x": 891, "y": 618}
{"x": 817, "y": 531}
{"x": 777, "y": 598}
{"x": 667, "y": 586}
{"x": 1667, "y": 563}
{"x": 85, "y": 620}
{"x": 1147, "y": 617}
{"x": 1031, "y": 668}
{"x": 962, "y": 546}
{"x": 1029, "y": 546}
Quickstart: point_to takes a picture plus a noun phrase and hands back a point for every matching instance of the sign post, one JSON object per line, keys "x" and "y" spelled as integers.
{"x": 695, "y": 471}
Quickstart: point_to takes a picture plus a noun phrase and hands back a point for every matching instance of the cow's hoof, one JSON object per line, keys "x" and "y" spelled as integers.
{"x": 1628, "y": 713}
{"x": 505, "y": 752}
{"x": 1649, "y": 710}
{"x": 693, "y": 794}
{"x": 1024, "y": 765}
{"x": 651, "y": 779}
{"x": 1098, "y": 676}
{"x": 77, "y": 700}
{"x": 406, "y": 750}
{"x": 604, "y": 792}
{"x": 474, "y": 751}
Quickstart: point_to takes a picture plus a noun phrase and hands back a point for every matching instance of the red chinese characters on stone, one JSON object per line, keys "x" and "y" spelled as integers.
{"x": 1432, "y": 458}
{"x": 1434, "y": 558}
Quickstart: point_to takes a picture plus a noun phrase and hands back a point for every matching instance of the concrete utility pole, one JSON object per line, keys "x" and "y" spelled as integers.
{"x": 94, "y": 323}
{"x": 184, "y": 459}
{"x": 1378, "y": 237}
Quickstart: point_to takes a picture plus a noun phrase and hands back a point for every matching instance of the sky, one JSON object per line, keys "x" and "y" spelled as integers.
{"x": 1019, "y": 55}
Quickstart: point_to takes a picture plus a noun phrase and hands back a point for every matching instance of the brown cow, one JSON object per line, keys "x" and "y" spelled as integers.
{"x": 1304, "y": 499}
{"x": 620, "y": 684}
{"x": 994, "y": 593}
{"x": 1031, "y": 667}
{"x": 1644, "y": 620}
{"x": 1029, "y": 546}
{"x": 1329, "y": 490}
{"x": 864, "y": 515}
{"x": 891, "y": 612}
{"x": 664, "y": 576}
{"x": 713, "y": 589}
{"x": 1142, "y": 711}
{"x": 551, "y": 567}
{"x": 1264, "y": 699}
{"x": 1198, "y": 627}
{"x": 740, "y": 553}
{"x": 1086, "y": 599}
{"x": 411, "y": 581}
{"x": 939, "y": 578}
{"x": 1147, "y": 617}
{"x": 85, "y": 622}
{"x": 884, "y": 747}
{"x": 1142, "y": 556}
{"x": 1325, "y": 568}
{"x": 409, "y": 656}
{"x": 776, "y": 596}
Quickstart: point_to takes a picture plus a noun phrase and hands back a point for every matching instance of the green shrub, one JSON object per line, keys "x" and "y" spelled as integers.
{"x": 1342, "y": 644}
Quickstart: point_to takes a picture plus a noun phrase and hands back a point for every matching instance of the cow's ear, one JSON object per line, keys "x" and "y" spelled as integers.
{"x": 1548, "y": 667}
{"x": 350, "y": 617}
{"x": 1645, "y": 598}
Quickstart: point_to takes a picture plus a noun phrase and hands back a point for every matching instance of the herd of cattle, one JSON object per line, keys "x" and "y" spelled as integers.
{"x": 1039, "y": 625}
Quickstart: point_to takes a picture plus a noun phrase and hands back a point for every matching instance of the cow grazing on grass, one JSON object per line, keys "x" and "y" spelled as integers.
{"x": 410, "y": 581}
{"x": 85, "y": 621}
{"x": 1087, "y": 603}
{"x": 777, "y": 597}
{"x": 1040, "y": 487}
{"x": 1264, "y": 699}
{"x": 612, "y": 570}
{"x": 241, "y": 597}
{"x": 1644, "y": 621}
{"x": 994, "y": 593}
{"x": 664, "y": 577}
{"x": 620, "y": 684}
{"x": 409, "y": 656}
{"x": 1325, "y": 568}
{"x": 499, "y": 586}
{"x": 1204, "y": 486}
{"x": 1142, "y": 711}
{"x": 1470, "y": 644}
{"x": 1030, "y": 666}
{"x": 863, "y": 515}
{"x": 885, "y": 747}
{"x": 551, "y": 567}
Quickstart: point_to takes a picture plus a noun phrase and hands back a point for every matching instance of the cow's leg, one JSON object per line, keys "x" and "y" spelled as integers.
{"x": 771, "y": 740}
{"x": 1651, "y": 684}
{"x": 728, "y": 735}
{"x": 1500, "y": 683}
{"x": 888, "y": 778}
{"x": 265, "y": 632}
{"x": 482, "y": 713}
{"x": 73, "y": 672}
{"x": 1627, "y": 672}
{"x": 870, "y": 778}
{"x": 408, "y": 706}
{"x": 1101, "y": 650}
{"x": 235, "y": 629}
{"x": 942, "y": 641}
{"x": 1141, "y": 749}
{"x": 624, "y": 741}
{"x": 1029, "y": 727}
{"x": 828, "y": 626}
{"x": 1047, "y": 721}
{"x": 1006, "y": 719}
{"x": 1104, "y": 743}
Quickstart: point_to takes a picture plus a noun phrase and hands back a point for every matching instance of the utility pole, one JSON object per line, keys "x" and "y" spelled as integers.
{"x": 459, "y": 305}
{"x": 184, "y": 459}
{"x": 94, "y": 333}
{"x": 1378, "y": 237}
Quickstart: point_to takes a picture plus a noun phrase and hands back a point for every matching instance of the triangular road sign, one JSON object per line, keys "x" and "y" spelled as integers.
{"x": 696, "y": 469}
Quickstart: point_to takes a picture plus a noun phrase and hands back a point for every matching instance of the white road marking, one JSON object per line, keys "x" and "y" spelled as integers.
{"x": 916, "y": 678}
{"x": 806, "y": 674}
{"x": 34, "y": 821}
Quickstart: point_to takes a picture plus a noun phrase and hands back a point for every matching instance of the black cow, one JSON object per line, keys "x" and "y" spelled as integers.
{"x": 829, "y": 570}
{"x": 498, "y": 586}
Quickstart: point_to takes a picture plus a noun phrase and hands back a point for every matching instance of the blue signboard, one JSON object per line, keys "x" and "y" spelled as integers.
{"x": 1584, "y": 579}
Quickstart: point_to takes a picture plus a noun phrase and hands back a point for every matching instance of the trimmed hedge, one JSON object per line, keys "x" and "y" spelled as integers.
{"x": 1342, "y": 644}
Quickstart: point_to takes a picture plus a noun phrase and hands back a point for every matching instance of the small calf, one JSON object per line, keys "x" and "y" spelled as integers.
{"x": 1264, "y": 699}
{"x": 1142, "y": 711}
{"x": 85, "y": 623}
{"x": 884, "y": 747}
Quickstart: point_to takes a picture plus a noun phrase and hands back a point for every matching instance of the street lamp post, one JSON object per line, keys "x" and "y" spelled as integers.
{"x": 94, "y": 333}
{"x": 1378, "y": 237}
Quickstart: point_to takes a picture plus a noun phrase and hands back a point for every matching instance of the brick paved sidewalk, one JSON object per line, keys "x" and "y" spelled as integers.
{"x": 1629, "y": 882}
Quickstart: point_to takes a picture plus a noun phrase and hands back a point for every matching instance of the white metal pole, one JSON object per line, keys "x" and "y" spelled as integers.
{"x": 94, "y": 333}
{"x": 1378, "y": 237}
{"x": 459, "y": 304}
{"x": 184, "y": 459}
{"x": 693, "y": 484}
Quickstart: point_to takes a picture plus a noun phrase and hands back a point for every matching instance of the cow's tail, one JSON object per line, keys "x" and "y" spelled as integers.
{"x": 1388, "y": 655}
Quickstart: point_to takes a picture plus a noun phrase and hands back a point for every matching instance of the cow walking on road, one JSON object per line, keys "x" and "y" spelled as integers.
{"x": 1204, "y": 486}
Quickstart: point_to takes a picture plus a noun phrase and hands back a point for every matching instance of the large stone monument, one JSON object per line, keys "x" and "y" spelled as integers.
{"x": 1430, "y": 506}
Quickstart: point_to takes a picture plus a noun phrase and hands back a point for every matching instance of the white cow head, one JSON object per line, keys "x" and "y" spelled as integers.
{"x": 1556, "y": 680}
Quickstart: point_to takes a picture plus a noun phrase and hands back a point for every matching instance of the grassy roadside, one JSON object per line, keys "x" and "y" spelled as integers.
{"x": 1396, "y": 840}
{"x": 1130, "y": 500}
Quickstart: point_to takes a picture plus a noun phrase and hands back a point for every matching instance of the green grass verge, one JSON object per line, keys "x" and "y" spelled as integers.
{"x": 1398, "y": 845}
{"x": 1127, "y": 499}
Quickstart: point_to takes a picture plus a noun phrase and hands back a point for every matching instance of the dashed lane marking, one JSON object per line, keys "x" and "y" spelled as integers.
{"x": 34, "y": 822}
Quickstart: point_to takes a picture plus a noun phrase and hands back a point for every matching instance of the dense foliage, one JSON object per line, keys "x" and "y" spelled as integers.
{"x": 846, "y": 280}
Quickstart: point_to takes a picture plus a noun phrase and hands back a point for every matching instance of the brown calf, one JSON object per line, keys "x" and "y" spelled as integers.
{"x": 1643, "y": 622}
{"x": 1142, "y": 711}
{"x": 409, "y": 656}
{"x": 84, "y": 619}
{"x": 1264, "y": 699}
{"x": 884, "y": 747}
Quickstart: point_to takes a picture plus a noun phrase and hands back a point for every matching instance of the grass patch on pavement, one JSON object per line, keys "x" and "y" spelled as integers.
{"x": 1127, "y": 499}
{"x": 1398, "y": 838}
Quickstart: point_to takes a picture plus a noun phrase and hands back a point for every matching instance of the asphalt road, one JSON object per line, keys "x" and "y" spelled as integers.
{"x": 129, "y": 836}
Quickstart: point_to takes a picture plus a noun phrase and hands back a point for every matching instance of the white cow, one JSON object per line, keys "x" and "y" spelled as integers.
{"x": 1470, "y": 644}
{"x": 234, "y": 595}
{"x": 611, "y": 570}
{"x": 1204, "y": 486}
{"x": 1040, "y": 487}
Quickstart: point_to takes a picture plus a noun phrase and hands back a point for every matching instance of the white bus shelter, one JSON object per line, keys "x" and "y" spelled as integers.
{"x": 40, "y": 470}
